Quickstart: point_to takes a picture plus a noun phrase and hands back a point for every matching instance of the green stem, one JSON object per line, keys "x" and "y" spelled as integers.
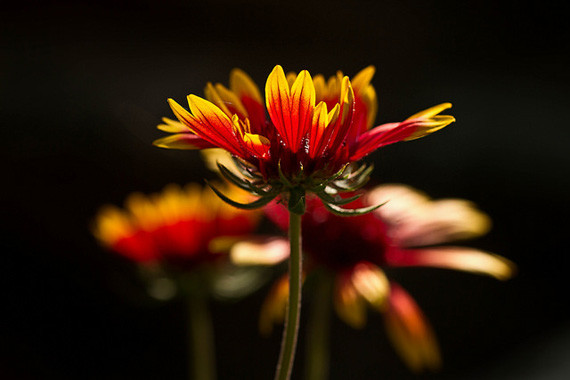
{"x": 317, "y": 356}
{"x": 290, "y": 332}
{"x": 200, "y": 331}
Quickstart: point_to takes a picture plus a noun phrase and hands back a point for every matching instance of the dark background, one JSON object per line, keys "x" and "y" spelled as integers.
{"x": 82, "y": 86}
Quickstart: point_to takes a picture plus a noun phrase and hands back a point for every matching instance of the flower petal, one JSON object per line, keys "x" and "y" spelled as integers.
{"x": 208, "y": 122}
{"x": 371, "y": 282}
{"x": 226, "y": 100}
{"x": 248, "y": 93}
{"x": 172, "y": 126}
{"x": 258, "y": 145}
{"x": 428, "y": 121}
{"x": 410, "y": 332}
{"x": 449, "y": 257}
{"x": 414, "y": 220}
{"x": 277, "y": 98}
{"x": 349, "y": 304}
{"x": 361, "y": 80}
{"x": 302, "y": 105}
{"x": 183, "y": 141}
{"x": 290, "y": 109}
{"x": 430, "y": 112}
{"x": 269, "y": 251}
{"x": 410, "y": 129}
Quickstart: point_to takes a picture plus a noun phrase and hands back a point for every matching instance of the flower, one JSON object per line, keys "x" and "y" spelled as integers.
{"x": 179, "y": 226}
{"x": 403, "y": 232}
{"x": 315, "y": 132}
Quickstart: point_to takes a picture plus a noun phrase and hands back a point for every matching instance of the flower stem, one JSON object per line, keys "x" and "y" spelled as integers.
{"x": 289, "y": 340}
{"x": 317, "y": 356}
{"x": 200, "y": 335}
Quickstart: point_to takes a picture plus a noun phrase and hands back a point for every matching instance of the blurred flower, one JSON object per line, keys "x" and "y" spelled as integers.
{"x": 403, "y": 232}
{"x": 315, "y": 132}
{"x": 178, "y": 230}
{"x": 180, "y": 238}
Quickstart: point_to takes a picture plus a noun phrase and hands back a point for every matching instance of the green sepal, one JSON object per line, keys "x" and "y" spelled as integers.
{"x": 296, "y": 203}
{"x": 260, "y": 202}
{"x": 327, "y": 198}
{"x": 282, "y": 176}
{"x": 337, "y": 210}
{"x": 239, "y": 182}
{"x": 354, "y": 181}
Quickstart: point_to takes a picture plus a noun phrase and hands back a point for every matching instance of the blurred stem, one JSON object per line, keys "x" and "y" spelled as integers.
{"x": 289, "y": 340}
{"x": 317, "y": 356}
{"x": 200, "y": 336}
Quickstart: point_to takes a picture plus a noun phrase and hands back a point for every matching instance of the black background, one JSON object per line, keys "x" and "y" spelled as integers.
{"x": 82, "y": 86}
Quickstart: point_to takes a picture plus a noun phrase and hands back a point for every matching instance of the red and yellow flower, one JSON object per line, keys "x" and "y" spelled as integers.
{"x": 177, "y": 226}
{"x": 403, "y": 232}
{"x": 314, "y": 130}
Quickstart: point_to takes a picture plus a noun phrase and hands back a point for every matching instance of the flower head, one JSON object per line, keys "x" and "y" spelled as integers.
{"x": 314, "y": 133}
{"x": 404, "y": 232}
{"x": 177, "y": 226}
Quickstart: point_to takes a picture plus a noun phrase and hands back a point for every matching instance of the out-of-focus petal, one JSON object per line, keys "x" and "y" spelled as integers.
{"x": 415, "y": 220}
{"x": 371, "y": 282}
{"x": 458, "y": 258}
{"x": 401, "y": 202}
{"x": 259, "y": 251}
{"x": 441, "y": 221}
{"x": 410, "y": 332}
{"x": 212, "y": 157}
{"x": 348, "y": 303}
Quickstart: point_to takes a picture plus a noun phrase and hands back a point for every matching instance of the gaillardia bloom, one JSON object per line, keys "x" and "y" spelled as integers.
{"x": 176, "y": 227}
{"x": 175, "y": 237}
{"x": 403, "y": 232}
{"x": 314, "y": 133}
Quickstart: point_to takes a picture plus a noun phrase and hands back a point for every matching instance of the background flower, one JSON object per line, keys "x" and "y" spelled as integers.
{"x": 357, "y": 250}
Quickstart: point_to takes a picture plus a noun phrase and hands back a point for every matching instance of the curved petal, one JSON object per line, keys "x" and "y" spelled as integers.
{"x": 415, "y": 220}
{"x": 410, "y": 129}
{"x": 458, "y": 258}
{"x": 183, "y": 141}
{"x": 208, "y": 122}
{"x": 441, "y": 221}
{"x": 410, "y": 332}
{"x": 290, "y": 109}
{"x": 248, "y": 92}
{"x": 172, "y": 126}
{"x": 371, "y": 283}
{"x": 402, "y": 201}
